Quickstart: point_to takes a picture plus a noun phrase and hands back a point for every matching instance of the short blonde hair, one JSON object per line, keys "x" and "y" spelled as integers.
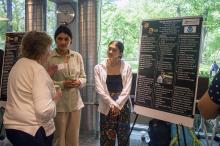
{"x": 34, "y": 44}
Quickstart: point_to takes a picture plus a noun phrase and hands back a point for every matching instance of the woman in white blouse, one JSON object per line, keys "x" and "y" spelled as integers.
{"x": 32, "y": 97}
{"x": 113, "y": 79}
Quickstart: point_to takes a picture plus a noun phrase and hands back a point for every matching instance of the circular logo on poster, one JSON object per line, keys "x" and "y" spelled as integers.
{"x": 190, "y": 29}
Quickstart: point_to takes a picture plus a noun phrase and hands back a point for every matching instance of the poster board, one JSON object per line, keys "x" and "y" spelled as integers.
{"x": 11, "y": 55}
{"x": 168, "y": 69}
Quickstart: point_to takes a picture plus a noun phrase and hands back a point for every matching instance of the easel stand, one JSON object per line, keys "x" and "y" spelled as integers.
{"x": 131, "y": 129}
{"x": 184, "y": 136}
{"x": 176, "y": 139}
{"x": 154, "y": 133}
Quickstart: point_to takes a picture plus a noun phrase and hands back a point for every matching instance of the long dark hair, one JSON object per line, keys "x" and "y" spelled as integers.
{"x": 119, "y": 45}
{"x": 63, "y": 29}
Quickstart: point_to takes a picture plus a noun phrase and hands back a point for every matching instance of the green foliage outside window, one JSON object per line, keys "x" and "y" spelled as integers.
{"x": 121, "y": 20}
{"x": 17, "y": 23}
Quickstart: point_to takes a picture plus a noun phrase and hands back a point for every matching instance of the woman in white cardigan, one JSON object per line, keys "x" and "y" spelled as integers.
{"x": 32, "y": 98}
{"x": 113, "y": 80}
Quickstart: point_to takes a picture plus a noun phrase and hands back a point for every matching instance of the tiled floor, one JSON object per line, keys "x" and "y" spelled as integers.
{"x": 135, "y": 140}
{"x": 138, "y": 138}
{"x": 92, "y": 140}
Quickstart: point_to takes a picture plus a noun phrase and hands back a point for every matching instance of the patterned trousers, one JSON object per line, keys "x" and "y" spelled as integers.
{"x": 112, "y": 126}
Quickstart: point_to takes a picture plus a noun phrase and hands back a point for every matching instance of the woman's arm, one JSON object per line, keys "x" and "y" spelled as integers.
{"x": 101, "y": 90}
{"x": 82, "y": 76}
{"x": 43, "y": 93}
{"x": 126, "y": 89}
{"x": 51, "y": 68}
{"x": 210, "y": 102}
{"x": 208, "y": 109}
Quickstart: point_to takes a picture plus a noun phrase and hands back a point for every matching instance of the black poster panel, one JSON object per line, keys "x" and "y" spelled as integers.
{"x": 12, "y": 53}
{"x": 168, "y": 67}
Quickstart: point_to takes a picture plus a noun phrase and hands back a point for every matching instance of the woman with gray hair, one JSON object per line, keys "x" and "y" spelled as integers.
{"x": 32, "y": 97}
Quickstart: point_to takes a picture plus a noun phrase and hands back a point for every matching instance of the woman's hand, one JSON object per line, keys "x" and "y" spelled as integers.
{"x": 114, "y": 110}
{"x": 51, "y": 69}
{"x": 71, "y": 83}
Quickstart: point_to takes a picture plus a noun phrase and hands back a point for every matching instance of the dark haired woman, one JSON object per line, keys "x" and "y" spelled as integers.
{"x": 113, "y": 80}
{"x": 70, "y": 76}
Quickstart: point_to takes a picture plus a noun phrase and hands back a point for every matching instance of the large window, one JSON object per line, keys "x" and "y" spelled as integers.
{"x": 14, "y": 11}
{"x": 51, "y": 19}
{"x": 121, "y": 19}
{"x": 16, "y": 21}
